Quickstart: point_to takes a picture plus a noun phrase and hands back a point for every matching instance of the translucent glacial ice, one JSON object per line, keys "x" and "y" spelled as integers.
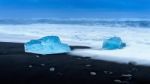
{"x": 113, "y": 43}
{"x": 46, "y": 45}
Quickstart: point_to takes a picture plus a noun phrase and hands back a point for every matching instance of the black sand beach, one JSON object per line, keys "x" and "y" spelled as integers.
{"x": 18, "y": 67}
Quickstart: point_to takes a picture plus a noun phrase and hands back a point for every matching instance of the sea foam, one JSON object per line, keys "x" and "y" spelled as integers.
{"x": 137, "y": 39}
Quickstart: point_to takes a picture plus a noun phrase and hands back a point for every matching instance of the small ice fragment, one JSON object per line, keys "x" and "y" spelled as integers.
{"x": 113, "y": 43}
{"x": 52, "y": 69}
{"x": 126, "y": 75}
{"x": 79, "y": 58}
{"x": 37, "y": 56}
{"x": 93, "y": 73}
{"x": 108, "y": 72}
{"x": 42, "y": 64}
{"x": 118, "y": 81}
{"x": 88, "y": 65}
{"x": 30, "y": 66}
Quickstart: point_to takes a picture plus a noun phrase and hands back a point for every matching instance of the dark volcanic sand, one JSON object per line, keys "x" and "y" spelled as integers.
{"x": 18, "y": 67}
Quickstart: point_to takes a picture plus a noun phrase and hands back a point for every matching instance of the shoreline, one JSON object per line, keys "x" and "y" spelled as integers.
{"x": 25, "y": 68}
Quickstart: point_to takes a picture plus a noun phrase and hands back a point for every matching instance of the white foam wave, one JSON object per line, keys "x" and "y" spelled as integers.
{"x": 137, "y": 39}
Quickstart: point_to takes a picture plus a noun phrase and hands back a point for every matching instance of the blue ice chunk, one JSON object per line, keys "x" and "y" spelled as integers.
{"x": 113, "y": 43}
{"x": 46, "y": 45}
{"x": 50, "y": 39}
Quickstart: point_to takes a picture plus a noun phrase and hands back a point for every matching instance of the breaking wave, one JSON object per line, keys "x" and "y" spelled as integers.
{"x": 145, "y": 23}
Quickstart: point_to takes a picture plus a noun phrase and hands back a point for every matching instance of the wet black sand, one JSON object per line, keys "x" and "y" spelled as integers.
{"x": 18, "y": 67}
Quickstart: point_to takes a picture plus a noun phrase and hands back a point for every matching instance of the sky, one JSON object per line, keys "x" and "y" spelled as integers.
{"x": 74, "y": 8}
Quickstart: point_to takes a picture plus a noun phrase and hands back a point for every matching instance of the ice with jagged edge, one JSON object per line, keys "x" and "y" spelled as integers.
{"x": 46, "y": 45}
{"x": 113, "y": 43}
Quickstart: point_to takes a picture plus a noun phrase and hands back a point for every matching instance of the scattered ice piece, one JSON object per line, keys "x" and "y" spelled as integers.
{"x": 93, "y": 73}
{"x": 88, "y": 65}
{"x": 42, "y": 64}
{"x": 30, "y": 66}
{"x": 118, "y": 81}
{"x": 46, "y": 45}
{"x": 52, "y": 69}
{"x": 108, "y": 72}
{"x": 125, "y": 82}
{"x": 79, "y": 58}
{"x": 37, "y": 56}
{"x": 126, "y": 75}
{"x": 113, "y": 43}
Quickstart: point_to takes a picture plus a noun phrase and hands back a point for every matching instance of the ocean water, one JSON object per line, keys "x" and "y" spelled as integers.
{"x": 86, "y": 32}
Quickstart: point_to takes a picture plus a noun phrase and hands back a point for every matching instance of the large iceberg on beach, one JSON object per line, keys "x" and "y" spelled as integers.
{"x": 46, "y": 45}
{"x": 113, "y": 43}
